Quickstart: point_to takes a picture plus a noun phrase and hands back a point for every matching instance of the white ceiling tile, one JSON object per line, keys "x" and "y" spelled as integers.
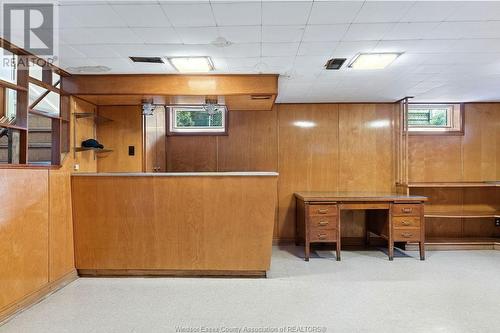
{"x": 241, "y": 34}
{"x": 370, "y": 31}
{"x": 316, "y": 48}
{"x": 382, "y": 11}
{"x": 98, "y": 36}
{"x": 244, "y": 13}
{"x": 144, "y": 15}
{"x": 409, "y": 30}
{"x": 97, "y": 51}
{"x": 349, "y": 49}
{"x": 324, "y": 33}
{"x": 279, "y": 49}
{"x": 476, "y": 11}
{"x": 243, "y": 64}
{"x": 475, "y": 45}
{"x": 458, "y": 30}
{"x": 285, "y": 33}
{"x": 430, "y": 11}
{"x": 67, "y": 51}
{"x": 242, "y": 50}
{"x": 334, "y": 12}
{"x": 157, "y": 35}
{"x": 116, "y": 64}
{"x": 189, "y": 14}
{"x": 285, "y": 13}
{"x": 199, "y": 35}
{"x": 276, "y": 64}
{"x": 92, "y": 16}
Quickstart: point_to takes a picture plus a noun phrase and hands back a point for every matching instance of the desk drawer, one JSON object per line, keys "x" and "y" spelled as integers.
{"x": 328, "y": 235}
{"x": 323, "y": 222}
{"x": 406, "y": 209}
{"x": 406, "y": 234}
{"x": 406, "y": 222}
{"x": 322, "y": 210}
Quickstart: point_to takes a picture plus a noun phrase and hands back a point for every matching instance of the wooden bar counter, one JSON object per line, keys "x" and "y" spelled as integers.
{"x": 217, "y": 224}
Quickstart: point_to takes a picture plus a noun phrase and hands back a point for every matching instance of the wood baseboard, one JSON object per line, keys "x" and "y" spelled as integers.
{"x": 497, "y": 246}
{"x": 29, "y": 300}
{"x": 168, "y": 272}
{"x": 457, "y": 244}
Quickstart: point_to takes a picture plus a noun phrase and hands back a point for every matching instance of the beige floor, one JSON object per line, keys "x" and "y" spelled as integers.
{"x": 449, "y": 292}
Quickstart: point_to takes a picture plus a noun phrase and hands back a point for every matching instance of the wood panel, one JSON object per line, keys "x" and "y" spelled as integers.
{"x": 125, "y": 130}
{"x": 481, "y": 142}
{"x": 191, "y": 153}
{"x": 61, "y": 253}
{"x": 144, "y": 84}
{"x": 24, "y": 222}
{"x": 435, "y": 158}
{"x": 155, "y": 142}
{"x": 366, "y": 153}
{"x": 251, "y": 143}
{"x": 308, "y": 156}
{"x": 177, "y": 223}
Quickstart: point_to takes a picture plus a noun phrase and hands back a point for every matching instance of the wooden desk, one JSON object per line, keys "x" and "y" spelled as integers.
{"x": 395, "y": 217}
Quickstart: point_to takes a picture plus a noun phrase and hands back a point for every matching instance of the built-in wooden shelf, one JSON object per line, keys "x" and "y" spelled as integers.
{"x": 97, "y": 150}
{"x": 12, "y": 86}
{"x": 96, "y": 117}
{"x": 454, "y": 184}
{"x": 43, "y": 114}
{"x": 461, "y": 214}
{"x": 12, "y": 126}
{"x": 459, "y": 243}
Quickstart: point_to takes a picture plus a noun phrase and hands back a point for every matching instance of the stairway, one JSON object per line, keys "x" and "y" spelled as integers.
{"x": 39, "y": 141}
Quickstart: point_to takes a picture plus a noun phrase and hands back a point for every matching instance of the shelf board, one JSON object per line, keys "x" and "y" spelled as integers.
{"x": 462, "y": 214}
{"x": 12, "y": 126}
{"x": 43, "y": 114}
{"x": 96, "y": 117}
{"x": 12, "y": 86}
{"x": 454, "y": 184}
{"x": 97, "y": 150}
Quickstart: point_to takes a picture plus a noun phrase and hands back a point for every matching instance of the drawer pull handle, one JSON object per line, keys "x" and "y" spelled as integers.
{"x": 406, "y": 223}
{"x": 406, "y": 234}
{"x": 323, "y": 211}
{"x": 322, "y": 223}
{"x": 407, "y": 210}
{"x": 321, "y": 236}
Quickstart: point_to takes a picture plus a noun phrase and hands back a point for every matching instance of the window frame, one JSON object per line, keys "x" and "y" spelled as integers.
{"x": 202, "y": 132}
{"x": 457, "y": 126}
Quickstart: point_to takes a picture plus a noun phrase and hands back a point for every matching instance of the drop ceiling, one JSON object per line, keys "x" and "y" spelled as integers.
{"x": 451, "y": 50}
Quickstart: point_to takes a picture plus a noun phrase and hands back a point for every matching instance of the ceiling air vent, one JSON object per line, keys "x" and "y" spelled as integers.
{"x": 149, "y": 60}
{"x": 335, "y": 63}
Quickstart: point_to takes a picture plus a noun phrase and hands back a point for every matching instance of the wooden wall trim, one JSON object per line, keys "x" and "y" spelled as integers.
{"x": 159, "y": 84}
{"x": 35, "y": 297}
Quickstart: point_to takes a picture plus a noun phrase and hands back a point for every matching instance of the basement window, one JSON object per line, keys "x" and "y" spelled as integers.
{"x": 197, "y": 120}
{"x": 435, "y": 119}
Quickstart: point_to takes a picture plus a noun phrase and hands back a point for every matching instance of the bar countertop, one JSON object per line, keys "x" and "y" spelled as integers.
{"x": 176, "y": 174}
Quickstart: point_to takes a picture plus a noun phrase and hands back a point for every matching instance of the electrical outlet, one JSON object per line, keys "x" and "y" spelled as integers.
{"x": 76, "y": 167}
{"x": 497, "y": 221}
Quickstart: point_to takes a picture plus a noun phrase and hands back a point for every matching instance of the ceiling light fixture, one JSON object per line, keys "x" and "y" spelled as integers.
{"x": 192, "y": 64}
{"x": 373, "y": 60}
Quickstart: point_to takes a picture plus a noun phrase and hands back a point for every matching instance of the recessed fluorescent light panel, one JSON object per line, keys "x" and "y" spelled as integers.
{"x": 373, "y": 60}
{"x": 192, "y": 64}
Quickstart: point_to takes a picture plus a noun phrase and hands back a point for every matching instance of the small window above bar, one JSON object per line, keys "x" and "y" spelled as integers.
{"x": 435, "y": 119}
{"x": 197, "y": 120}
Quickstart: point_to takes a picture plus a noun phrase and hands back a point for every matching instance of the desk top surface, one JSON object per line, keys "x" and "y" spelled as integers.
{"x": 358, "y": 196}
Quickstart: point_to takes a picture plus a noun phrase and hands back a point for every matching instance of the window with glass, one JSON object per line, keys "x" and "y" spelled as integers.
{"x": 434, "y": 118}
{"x": 8, "y": 66}
{"x": 197, "y": 120}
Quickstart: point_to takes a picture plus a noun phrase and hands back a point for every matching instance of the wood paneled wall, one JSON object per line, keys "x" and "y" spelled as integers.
{"x": 36, "y": 232}
{"x": 251, "y": 145}
{"x": 349, "y": 147}
{"x": 475, "y": 156}
{"x": 125, "y": 130}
